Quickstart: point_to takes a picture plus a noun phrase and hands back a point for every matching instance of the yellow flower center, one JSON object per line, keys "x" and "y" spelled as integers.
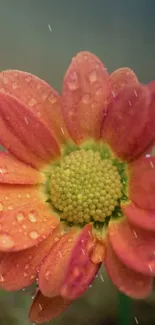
{"x": 85, "y": 187}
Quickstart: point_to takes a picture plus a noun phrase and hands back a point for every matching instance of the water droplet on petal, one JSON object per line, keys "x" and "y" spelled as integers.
{"x": 14, "y": 85}
{"x": 28, "y": 79}
{"x": 99, "y": 92}
{"x": 53, "y": 99}
{"x": 26, "y": 266}
{"x": 86, "y": 99}
{"x": 24, "y": 226}
{"x": 76, "y": 272}
{"x": 31, "y": 216}
{"x": 92, "y": 76}
{"x": 34, "y": 235}
{"x": 73, "y": 84}
{"x": 6, "y": 241}
{"x": 1, "y": 207}
{"x": 25, "y": 274}
{"x": 44, "y": 96}
{"x": 20, "y": 216}
{"x": 47, "y": 274}
{"x": 10, "y": 207}
{"x": 5, "y": 80}
{"x": 32, "y": 102}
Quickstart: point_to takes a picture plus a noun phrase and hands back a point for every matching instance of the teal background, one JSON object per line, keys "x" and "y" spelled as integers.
{"x": 121, "y": 33}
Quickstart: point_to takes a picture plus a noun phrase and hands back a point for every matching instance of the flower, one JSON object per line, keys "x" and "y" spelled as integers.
{"x": 77, "y": 183}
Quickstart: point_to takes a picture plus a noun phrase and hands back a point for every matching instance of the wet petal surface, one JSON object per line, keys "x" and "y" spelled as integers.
{"x": 121, "y": 78}
{"x": 23, "y": 134}
{"x": 53, "y": 268}
{"x": 45, "y": 309}
{"x": 38, "y": 96}
{"x": 127, "y": 120}
{"x": 84, "y": 96}
{"x": 141, "y": 218}
{"x": 81, "y": 271}
{"x": 19, "y": 270}
{"x": 135, "y": 247}
{"x": 14, "y": 196}
{"x": 132, "y": 284}
{"x": 72, "y": 255}
{"x": 13, "y": 171}
{"x": 25, "y": 222}
{"x": 142, "y": 182}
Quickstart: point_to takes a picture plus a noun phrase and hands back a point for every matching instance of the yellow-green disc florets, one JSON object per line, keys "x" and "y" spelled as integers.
{"x": 84, "y": 187}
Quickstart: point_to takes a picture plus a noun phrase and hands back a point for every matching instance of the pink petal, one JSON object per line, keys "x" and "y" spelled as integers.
{"x": 84, "y": 96}
{"x": 131, "y": 283}
{"x": 38, "y": 96}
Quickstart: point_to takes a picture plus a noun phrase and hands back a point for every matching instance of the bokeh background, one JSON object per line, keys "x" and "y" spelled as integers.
{"x": 41, "y": 36}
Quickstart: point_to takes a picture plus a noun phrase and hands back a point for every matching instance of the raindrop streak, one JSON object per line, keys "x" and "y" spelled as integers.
{"x": 101, "y": 278}
{"x": 62, "y": 130}
{"x": 151, "y": 163}
{"x": 135, "y": 234}
{"x": 113, "y": 94}
{"x": 40, "y": 307}
{"x": 49, "y": 27}
{"x": 150, "y": 267}
{"x": 26, "y": 120}
{"x": 136, "y": 320}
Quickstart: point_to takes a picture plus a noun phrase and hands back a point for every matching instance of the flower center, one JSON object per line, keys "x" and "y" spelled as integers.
{"x": 84, "y": 187}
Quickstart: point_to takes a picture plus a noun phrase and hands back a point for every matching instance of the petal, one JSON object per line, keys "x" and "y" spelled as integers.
{"x": 19, "y": 270}
{"x": 128, "y": 127}
{"x": 85, "y": 94}
{"x": 39, "y": 97}
{"x": 12, "y": 171}
{"x": 25, "y": 218}
{"x": 45, "y": 309}
{"x": 98, "y": 253}
{"x": 120, "y": 78}
{"x": 14, "y": 196}
{"x": 81, "y": 271}
{"x": 141, "y": 218}
{"x": 135, "y": 247}
{"x": 68, "y": 269}
{"x": 142, "y": 182}
{"x": 23, "y": 134}
{"x": 131, "y": 283}
{"x": 52, "y": 270}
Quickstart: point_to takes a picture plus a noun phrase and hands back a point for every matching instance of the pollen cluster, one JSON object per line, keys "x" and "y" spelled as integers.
{"x": 85, "y": 187}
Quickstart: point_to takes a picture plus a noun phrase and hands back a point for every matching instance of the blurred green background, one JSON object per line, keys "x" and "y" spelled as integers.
{"x": 41, "y": 36}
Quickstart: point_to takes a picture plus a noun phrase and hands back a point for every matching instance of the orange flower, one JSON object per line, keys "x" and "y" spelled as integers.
{"x": 76, "y": 186}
